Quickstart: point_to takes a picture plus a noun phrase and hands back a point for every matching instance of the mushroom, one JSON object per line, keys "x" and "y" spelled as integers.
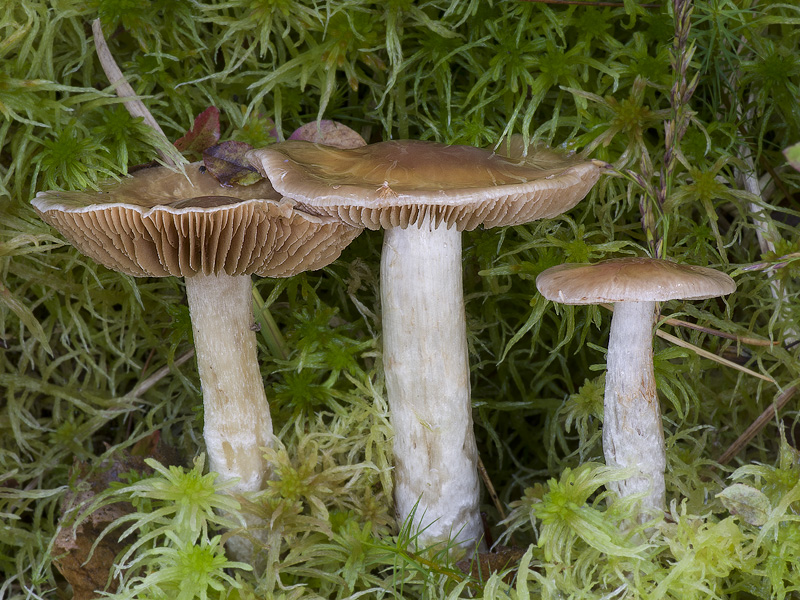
{"x": 159, "y": 223}
{"x": 633, "y": 435}
{"x": 424, "y": 194}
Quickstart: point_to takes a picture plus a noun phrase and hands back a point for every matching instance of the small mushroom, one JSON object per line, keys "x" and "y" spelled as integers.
{"x": 159, "y": 223}
{"x": 633, "y": 434}
{"x": 424, "y": 194}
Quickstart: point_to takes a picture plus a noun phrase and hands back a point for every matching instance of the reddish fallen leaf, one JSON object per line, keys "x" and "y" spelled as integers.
{"x": 329, "y": 133}
{"x": 485, "y": 564}
{"x": 227, "y": 163}
{"x": 72, "y": 546}
{"x": 203, "y": 134}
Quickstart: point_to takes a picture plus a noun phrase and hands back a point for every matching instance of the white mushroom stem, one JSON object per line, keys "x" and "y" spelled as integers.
{"x": 237, "y": 419}
{"x": 427, "y": 382}
{"x": 633, "y": 434}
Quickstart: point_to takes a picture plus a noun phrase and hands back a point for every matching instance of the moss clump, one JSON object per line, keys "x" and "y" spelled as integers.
{"x": 692, "y": 109}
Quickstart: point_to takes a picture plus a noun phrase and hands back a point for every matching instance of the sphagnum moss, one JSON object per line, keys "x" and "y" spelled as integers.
{"x": 448, "y": 71}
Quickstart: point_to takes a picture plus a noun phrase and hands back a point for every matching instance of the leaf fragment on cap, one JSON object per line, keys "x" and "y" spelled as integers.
{"x": 227, "y": 163}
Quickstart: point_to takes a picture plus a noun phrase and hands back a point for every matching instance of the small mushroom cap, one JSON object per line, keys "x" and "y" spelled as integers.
{"x": 631, "y": 280}
{"x": 159, "y": 223}
{"x": 399, "y": 183}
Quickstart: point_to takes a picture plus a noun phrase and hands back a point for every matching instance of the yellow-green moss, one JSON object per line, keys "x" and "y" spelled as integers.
{"x": 76, "y": 340}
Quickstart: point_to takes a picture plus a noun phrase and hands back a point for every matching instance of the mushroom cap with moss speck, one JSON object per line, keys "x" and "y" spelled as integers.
{"x": 632, "y": 279}
{"x": 160, "y": 222}
{"x": 400, "y": 183}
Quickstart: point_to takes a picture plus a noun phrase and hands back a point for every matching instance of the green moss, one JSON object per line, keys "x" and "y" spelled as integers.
{"x": 77, "y": 341}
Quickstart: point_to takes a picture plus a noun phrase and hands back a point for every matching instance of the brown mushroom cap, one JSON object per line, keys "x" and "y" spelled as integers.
{"x": 399, "y": 183}
{"x": 159, "y": 223}
{"x": 631, "y": 280}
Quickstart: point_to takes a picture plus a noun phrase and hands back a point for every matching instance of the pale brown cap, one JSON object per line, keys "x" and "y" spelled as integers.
{"x": 631, "y": 280}
{"x": 159, "y": 223}
{"x": 399, "y": 183}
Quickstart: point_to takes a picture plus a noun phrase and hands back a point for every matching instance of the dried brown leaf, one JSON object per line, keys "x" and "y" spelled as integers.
{"x": 329, "y": 133}
{"x": 227, "y": 163}
{"x": 85, "y": 562}
{"x": 484, "y": 564}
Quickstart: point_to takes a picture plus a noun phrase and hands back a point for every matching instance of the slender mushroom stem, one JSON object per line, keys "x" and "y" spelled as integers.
{"x": 427, "y": 382}
{"x": 633, "y": 434}
{"x": 237, "y": 419}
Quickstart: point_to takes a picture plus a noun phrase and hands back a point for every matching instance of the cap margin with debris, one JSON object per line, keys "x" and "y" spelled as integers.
{"x": 401, "y": 183}
{"x": 152, "y": 223}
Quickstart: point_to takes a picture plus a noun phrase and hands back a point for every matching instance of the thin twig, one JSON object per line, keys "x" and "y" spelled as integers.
{"x": 704, "y": 353}
{"x": 769, "y": 267}
{"x": 728, "y": 336}
{"x": 123, "y": 89}
{"x": 766, "y": 232}
{"x": 146, "y": 384}
{"x": 711, "y": 356}
{"x": 490, "y": 488}
{"x": 147, "y": 361}
{"x": 757, "y": 425}
{"x": 779, "y": 183}
{"x": 493, "y": 495}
